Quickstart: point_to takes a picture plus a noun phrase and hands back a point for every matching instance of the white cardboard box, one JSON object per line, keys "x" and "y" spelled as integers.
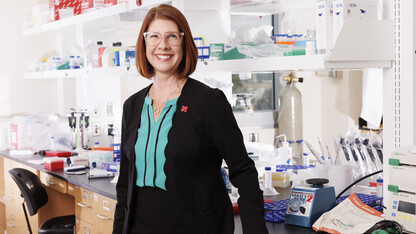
{"x": 324, "y": 21}
{"x": 352, "y": 9}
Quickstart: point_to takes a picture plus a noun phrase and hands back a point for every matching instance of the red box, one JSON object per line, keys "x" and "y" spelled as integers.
{"x": 53, "y": 163}
{"x": 56, "y": 5}
{"x": 58, "y": 153}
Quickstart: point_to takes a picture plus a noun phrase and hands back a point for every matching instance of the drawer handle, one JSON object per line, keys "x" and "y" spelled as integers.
{"x": 8, "y": 198}
{"x": 103, "y": 217}
{"x": 51, "y": 182}
{"x": 10, "y": 224}
{"x": 82, "y": 205}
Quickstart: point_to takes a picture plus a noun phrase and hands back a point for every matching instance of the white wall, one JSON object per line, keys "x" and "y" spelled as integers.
{"x": 23, "y": 96}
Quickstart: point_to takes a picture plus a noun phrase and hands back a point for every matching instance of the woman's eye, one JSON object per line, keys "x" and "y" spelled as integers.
{"x": 173, "y": 35}
{"x": 154, "y": 36}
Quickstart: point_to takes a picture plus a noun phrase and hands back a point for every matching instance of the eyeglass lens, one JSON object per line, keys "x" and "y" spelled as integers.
{"x": 172, "y": 38}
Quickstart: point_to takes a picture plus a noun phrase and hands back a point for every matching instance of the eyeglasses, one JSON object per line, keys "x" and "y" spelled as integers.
{"x": 154, "y": 38}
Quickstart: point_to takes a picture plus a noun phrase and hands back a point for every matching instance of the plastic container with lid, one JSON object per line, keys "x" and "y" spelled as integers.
{"x": 281, "y": 178}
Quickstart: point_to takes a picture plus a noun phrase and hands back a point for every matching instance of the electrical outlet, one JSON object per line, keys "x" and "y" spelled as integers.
{"x": 95, "y": 112}
{"x": 96, "y": 129}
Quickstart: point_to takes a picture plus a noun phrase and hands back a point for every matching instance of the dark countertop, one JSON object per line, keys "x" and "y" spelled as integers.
{"x": 103, "y": 187}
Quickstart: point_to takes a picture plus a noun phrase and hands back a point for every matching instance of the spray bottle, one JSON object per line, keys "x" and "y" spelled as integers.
{"x": 285, "y": 152}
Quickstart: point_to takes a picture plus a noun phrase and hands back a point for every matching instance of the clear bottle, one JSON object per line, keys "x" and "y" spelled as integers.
{"x": 379, "y": 187}
{"x": 108, "y": 56}
{"x": 306, "y": 159}
{"x": 267, "y": 177}
{"x": 290, "y": 115}
{"x": 72, "y": 62}
{"x": 52, "y": 144}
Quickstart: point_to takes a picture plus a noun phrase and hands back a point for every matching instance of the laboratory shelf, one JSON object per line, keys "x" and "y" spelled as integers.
{"x": 92, "y": 16}
{"x": 267, "y": 7}
{"x": 98, "y": 72}
{"x": 372, "y": 49}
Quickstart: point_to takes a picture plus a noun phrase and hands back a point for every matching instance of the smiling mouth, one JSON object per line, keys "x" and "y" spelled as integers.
{"x": 164, "y": 57}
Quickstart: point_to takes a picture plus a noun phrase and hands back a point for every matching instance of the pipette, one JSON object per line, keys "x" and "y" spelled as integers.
{"x": 313, "y": 151}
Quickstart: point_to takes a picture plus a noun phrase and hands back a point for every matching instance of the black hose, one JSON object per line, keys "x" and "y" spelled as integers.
{"x": 355, "y": 182}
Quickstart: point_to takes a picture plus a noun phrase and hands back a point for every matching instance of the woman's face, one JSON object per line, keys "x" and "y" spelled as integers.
{"x": 164, "y": 57}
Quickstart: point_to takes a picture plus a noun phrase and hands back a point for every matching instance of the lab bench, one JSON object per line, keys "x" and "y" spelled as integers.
{"x": 91, "y": 200}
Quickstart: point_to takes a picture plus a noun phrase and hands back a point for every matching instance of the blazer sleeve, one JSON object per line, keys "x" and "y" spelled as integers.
{"x": 229, "y": 142}
{"x": 122, "y": 183}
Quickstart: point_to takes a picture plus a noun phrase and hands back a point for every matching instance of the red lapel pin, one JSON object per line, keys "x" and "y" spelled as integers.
{"x": 184, "y": 109}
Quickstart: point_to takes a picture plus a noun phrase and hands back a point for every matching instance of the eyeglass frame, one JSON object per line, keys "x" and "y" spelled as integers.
{"x": 181, "y": 34}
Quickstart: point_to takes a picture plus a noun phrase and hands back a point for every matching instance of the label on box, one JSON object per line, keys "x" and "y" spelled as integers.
{"x": 300, "y": 203}
{"x": 216, "y": 51}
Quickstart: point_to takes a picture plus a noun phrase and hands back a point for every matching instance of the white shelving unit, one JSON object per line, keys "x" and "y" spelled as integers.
{"x": 93, "y": 15}
{"x": 372, "y": 49}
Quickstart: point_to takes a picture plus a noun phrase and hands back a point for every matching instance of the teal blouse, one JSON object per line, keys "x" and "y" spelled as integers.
{"x": 150, "y": 146}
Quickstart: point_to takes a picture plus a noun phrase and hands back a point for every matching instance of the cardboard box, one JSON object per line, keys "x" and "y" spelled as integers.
{"x": 352, "y": 9}
{"x": 56, "y": 5}
{"x": 324, "y": 21}
{"x": 216, "y": 51}
{"x": 53, "y": 163}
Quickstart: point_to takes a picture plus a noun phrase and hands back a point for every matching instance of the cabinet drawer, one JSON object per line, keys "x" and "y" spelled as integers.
{"x": 85, "y": 203}
{"x": 104, "y": 214}
{"x": 53, "y": 182}
{"x": 82, "y": 227}
{"x": 72, "y": 189}
{"x": 16, "y": 222}
{"x": 12, "y": 196}
{"x": 10, "y": 164}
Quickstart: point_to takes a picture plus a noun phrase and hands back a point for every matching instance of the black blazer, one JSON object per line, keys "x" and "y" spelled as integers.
{"x": 204, "y": 132}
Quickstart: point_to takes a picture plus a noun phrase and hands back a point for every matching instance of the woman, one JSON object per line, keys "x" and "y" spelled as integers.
{"x": 175, "y": 134}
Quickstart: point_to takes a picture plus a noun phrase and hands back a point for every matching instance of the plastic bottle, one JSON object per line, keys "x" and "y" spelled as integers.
{"x": 310, "y": 47}
{"x": 100, "y": 52}
{"x": 285, "y": 152}
{"x": 268, "y": 177}
{"x": 52, "y": 143}
{"x": 119, "y": 55}
{"x": 108, "y": 56}
{"x": 280, "y": 178}
{"x": 306, "y": 159}
{"x": 379, "y": 187}
{"x": 290, "y": 115}
{"x": 72, "y": 62}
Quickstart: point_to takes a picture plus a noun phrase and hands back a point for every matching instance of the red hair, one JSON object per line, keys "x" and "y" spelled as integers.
{"x": 190, "y": 59}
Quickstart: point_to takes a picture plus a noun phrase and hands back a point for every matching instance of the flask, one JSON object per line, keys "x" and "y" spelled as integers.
{"x": 290, "y": 115}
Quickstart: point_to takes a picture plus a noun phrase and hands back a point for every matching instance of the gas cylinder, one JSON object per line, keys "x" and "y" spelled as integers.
{"x": 290, "y": 115}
